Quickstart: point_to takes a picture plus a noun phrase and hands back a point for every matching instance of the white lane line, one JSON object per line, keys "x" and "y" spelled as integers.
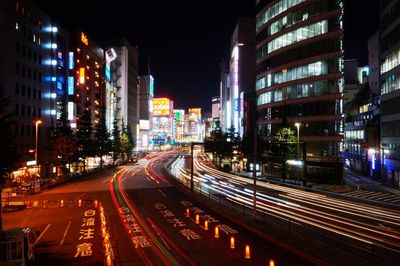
{"x": 79, "y": 195}
{"x": 105, "y": 180}
{"x": 162, "y": 193}
{"x": 41, "y": 235}
{"x": 65, "y": 233}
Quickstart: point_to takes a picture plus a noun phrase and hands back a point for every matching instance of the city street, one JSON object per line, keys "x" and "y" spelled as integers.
{"x": 145, "y": 213}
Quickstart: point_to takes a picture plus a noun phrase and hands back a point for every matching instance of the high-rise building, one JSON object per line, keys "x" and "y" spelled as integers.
{"x": 33, "y": 65}
{"x": 299, "y": 76}
{"x": 237, "y": 80}
{"x": 85, "y": 86}
{"x": 390, "y": 85}
{"x": 179, "y": 118}
{"x": 127, "y": 80}
{"x": 145, "y": 111}
{"x": 242, "y": 76}
{"x": 163, "y": 124}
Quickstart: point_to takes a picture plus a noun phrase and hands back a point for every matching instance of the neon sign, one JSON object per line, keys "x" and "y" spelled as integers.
{"x": 84, "y": 39}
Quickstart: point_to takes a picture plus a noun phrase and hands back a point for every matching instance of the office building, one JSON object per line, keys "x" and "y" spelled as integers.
{"x": 300, "y": 78}
{"x": 390, "y": 91}
{"x": 33, "y": 78}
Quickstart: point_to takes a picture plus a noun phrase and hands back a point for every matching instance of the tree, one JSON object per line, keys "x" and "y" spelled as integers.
{"x": 103, "y": 142}
{"x": 84, "y": 135}
{"x": 116, "y": 140}
{"x": 63, "y": 145}
{"x": 126, "y": 142}
{"x": 285, "y": 136}
{"x": 8, "y": 147}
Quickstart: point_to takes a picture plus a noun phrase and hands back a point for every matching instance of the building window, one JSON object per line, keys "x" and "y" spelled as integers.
{"x": 23, "y": 51}
{"x": 17, "y": 48}
{"x": 29, "y": 73}
{"x": 23, "y": 90}
{"x": 23, "y": 71}
{"x": 40, "y": 59}
{"x": 22, "y": 130}
{"x": 28, "y": 130}
{"x": 29, "y": 92}
{"x": 17, "y": 68}
{"x": 34, "y": 57}
{"x": 16, "y": 89}
{"x": 275, "y": 10}
{"x": 17, "y": 109}
{"x": 28, "y": 111}
{"x": 29, "y": 54}
{"x": 23, "y": 110}
{"x": 39, "y": 94}
{"x": 34, "y": 112}
{"x": 34, "y": 93}
{"x": 298, "y": 35}
{"x": 40, "y": 76}
{"x": 34, "y": 75}
{"x": 39, "y": 112}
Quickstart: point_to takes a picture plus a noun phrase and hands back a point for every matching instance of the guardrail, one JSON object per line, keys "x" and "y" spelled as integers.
{"x": 311, "y": 239}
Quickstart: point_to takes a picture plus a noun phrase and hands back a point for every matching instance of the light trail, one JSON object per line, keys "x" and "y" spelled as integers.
{"x": 302, "y": 206}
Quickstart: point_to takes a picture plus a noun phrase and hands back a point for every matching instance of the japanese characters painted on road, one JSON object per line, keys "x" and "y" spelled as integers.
{"x": 133, "y": 228}
{"x": 223, "y": 227}
{"x": 176, "y": 222}
{"x": 86, "y": 233}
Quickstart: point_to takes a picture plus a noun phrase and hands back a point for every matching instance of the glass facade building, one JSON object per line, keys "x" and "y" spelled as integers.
{"x": 300, "y": 72}
{"x": 390, "y": 91}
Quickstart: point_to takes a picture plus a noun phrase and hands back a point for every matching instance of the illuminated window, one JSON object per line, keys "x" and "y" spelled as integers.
{"x": 275, "y": 10}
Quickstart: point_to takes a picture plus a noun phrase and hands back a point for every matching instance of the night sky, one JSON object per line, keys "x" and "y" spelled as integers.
{"x": 186, "y": 40}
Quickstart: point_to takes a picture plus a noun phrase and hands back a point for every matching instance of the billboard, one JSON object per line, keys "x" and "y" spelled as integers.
{"x": 161, "y": 107}
{"x": 144, "y": 124}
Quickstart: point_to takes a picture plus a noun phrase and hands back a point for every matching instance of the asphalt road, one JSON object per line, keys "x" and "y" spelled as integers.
{"x": 163, "y": 208}
{"x": 146, "y": 220}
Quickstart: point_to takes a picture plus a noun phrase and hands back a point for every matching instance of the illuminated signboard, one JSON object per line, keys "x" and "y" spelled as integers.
{"x": 179, "y": 115}
{"x": 161, "y": 106}
{"x": 144, "y": 124}
{"x": 71, "y": 85}
{"x": 82, "y": 75}
{"x": 70, "y": 110}
{"x": 84, "y": 39}
{"x": 196, "y": 111}
{"x": 71, "y": 60}
{"x": 151, "y": 86}
{"x": 108, "y": 72}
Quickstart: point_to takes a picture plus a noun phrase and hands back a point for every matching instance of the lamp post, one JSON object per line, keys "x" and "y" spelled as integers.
{"x": 298, "y": 131}
{"x": 37, "y": 122}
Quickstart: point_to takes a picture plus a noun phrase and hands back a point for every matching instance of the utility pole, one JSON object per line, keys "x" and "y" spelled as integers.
{"x": 191, "y": 167}
{"x": 255, "y": 173}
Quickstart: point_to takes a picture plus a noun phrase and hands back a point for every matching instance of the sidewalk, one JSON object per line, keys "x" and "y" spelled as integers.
{"x": 367, "y": 183}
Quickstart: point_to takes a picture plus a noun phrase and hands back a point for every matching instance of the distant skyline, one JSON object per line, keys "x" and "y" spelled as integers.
{"x": 186, "y": 42}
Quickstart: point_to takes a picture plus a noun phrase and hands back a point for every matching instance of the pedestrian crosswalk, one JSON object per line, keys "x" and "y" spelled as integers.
{"x": 374, "y": 195}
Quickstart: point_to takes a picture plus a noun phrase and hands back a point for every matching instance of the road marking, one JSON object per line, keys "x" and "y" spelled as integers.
{"x": 65, "y": 233}
{"x": 105, "y": 180}
{"x": 40, "y": 236}
{"x": 79, "y": 195}
{"x": 348, "y": 180}
{"x": 162, "y": 193}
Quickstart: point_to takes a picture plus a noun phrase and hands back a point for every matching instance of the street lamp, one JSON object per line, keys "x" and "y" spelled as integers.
{"x": 298, "y": 131}
{"x": 37, "y": 122}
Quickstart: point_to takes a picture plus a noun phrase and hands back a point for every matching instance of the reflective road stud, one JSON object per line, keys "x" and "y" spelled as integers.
{"x": 62, "y": 203}
{"x": 206, "y": 225}
{"x": 232, "y": 242}
{"x": 271, "y": 263}
{"x": 80, "y": 203}
{"x": 216, "y": 232}
{"x": 197, "y": 219}
{"x": 187, "y": 212}
{"x": 247, "y": 254}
